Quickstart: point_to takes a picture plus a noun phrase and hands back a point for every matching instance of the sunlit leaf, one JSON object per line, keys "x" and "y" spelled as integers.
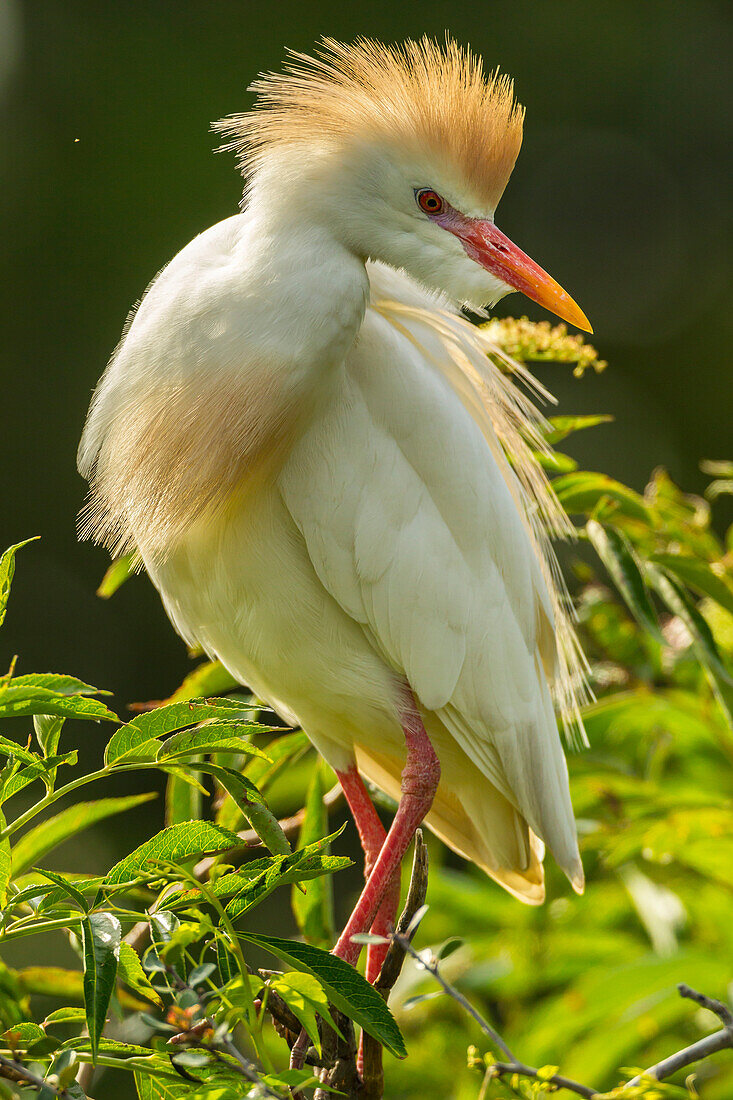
{"x": 7, "y": 571}
{"x": 131, "y": 972}
{"x": 251, "y": 803}
{"x": 617, "y": 554}
{"x": 187, "y": 840}
{"x": 214, "y": 737}
{"x": 119, "y": 571}
{"x": 698, "y": 574}
{"x": 5, "y": 864}
{"x": 304, "y": 995}
{"x": 583, "y": 491}
{"x": 344, "y": 987}
{"x": 563, "y": 426}
{"x": 313, "y": 910}
{"x": 137, "y": 740}
{"x": 101, "y": 935}
{"x": 25, "y": 700}
{"x": 680, "y": 604}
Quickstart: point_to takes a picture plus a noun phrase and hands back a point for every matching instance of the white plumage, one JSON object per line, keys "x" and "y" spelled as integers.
{"x": 309, "y": 452}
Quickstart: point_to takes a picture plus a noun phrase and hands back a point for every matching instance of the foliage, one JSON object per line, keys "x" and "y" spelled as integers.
{"x": 164, "y": 939}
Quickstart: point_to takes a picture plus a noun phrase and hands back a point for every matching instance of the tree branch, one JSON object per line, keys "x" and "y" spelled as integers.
{"x": 711, "y": 1044}
{"x": 19, "y": 1075}
{"x": 512, "y": 1064}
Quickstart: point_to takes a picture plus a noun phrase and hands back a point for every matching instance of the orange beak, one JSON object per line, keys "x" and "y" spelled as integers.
{"x": 490, "y": 248}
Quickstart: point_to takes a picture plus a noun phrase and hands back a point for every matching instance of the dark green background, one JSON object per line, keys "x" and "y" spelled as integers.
{"x": 107, "y": 169}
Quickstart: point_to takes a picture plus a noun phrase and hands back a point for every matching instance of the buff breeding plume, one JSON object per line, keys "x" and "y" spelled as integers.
{"x": 332, "y": 487}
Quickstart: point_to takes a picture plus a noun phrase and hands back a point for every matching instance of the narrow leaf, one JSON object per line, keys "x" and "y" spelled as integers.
{"x": 39, "y": 841}
{"x": 7, "y": 572}
{"x": 251, "y": 803}
{"x": 313, "y": 910}
{"x": 679, "y": 603}
{"x": 5, "y": 864}
{"x": 119, "y": 571}
{"x": 23, "y": 701}
{"x": 183, "y": 801}
{"x": 699, "y": 575}
{"x": 617, "y": 554}
{"x": 101, "y": 936}
{"x": 214, "y": 737}
{"x": 130, "y": 971}
{"x": 344, "y": 986}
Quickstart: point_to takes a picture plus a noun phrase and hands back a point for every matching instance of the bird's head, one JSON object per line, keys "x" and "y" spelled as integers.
{"x": 403, "y": 153}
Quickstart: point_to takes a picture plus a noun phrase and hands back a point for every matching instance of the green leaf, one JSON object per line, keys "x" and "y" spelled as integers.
{"x": 583, "y": 491}
{"x": 157, "y": 1088}
{"x": 101, "y": 936}
{"x": 138, "y": 739}
{"x": 39, "y": 769}
{"x": 57, "y": 682}
{"x": 24, "y": 1034}
{"x": 305, "y": 996}
{"x": 48, "y": 732}
{"x": 699, "y": 575}
{"x": 187, "y": 840}
{"x": 7, "y": 572}
{"x": 563, "y": 426}
{"x": 25, "y": 700}
{"x": 226, "y": 958}
{"x": 68, "y": 887}
{"x": 282, "y": 752}
{"x": 130, "y": 971}
{"x": 119, "y": 571}
{"x": 214, "y": 737}
{"x": 617, "y": 554}
{"x": 5, "y": 864}
{"x": 258, "y": 878}
{"x": 344, "y": 986}
{"x": 39, "y": 841}
{"x": 65, "y": 1016}
{"x": 307, "y": 863}
{"x": 251, "y": 803}
{"x": 16, "y": 751}
{"x": 183, "y": 801}
{"x": 208, "y": 678}
{"x": 679, "y": 603}
{"x": 313, "y": 910}
{"x": 52, "y": 981}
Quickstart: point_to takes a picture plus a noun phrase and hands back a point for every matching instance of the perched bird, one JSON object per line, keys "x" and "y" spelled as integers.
{"x": 333, "y": 488}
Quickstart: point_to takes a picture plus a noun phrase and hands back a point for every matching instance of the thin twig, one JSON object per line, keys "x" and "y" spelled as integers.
{"x": 512, "y": 1064}
{"x": 711, "y": 1044}
{"x": 19, "y": 1075}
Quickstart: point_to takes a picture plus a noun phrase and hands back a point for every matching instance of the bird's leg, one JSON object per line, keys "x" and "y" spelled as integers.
{"x": 372, "y": 835}
{"x": 419, "y": 784}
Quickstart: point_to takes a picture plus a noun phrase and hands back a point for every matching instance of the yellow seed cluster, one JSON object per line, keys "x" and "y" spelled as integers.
{"x": 529, "y": 341}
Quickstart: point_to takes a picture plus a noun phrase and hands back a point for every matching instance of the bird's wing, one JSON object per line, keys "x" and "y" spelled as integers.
{"x": 414, "y": 523}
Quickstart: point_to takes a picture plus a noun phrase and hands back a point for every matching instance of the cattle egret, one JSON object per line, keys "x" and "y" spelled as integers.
{"x": 334, "y": 490}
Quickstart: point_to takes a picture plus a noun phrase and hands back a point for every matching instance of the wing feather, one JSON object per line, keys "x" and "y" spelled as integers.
{"x": 419, "y": 529}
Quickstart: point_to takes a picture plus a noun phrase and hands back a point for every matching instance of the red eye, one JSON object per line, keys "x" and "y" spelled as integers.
{"x": 429, "y": 201}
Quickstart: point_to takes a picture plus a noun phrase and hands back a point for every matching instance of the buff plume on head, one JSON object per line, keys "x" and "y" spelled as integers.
{"x": 417, "y": 97}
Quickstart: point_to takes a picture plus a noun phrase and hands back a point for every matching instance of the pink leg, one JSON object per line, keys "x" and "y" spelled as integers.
{"x": 419, "y": 783}
{"x": 372, "y": 835}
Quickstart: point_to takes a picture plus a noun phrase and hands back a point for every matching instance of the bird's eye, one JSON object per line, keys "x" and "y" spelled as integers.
{"x": 429, "y": 201}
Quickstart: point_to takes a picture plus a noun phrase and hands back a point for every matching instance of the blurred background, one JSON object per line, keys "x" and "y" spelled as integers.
{"x": 622, "y": 191}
